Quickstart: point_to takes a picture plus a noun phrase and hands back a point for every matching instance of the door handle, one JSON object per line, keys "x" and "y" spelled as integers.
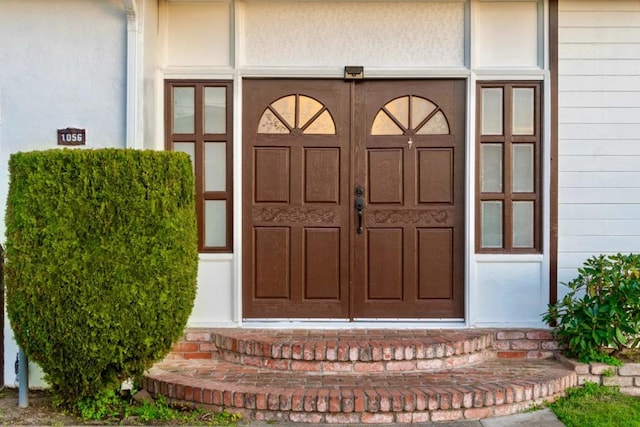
{"x": 359, "y": 205}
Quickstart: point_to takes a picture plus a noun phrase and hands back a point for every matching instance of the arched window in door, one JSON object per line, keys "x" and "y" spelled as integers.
{"x": 410, "y": 115}
{"x": 296, "y": 112}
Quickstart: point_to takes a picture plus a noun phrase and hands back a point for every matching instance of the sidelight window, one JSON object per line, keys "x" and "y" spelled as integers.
{"x": 198, "y": 121}
{"x": 508, "y": 167}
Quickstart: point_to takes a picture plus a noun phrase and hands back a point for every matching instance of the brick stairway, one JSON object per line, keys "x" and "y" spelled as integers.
{"x": 362, "y": 376}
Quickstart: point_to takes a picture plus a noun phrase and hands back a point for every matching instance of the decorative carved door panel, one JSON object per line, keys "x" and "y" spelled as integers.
{"x": 353, "y": 199}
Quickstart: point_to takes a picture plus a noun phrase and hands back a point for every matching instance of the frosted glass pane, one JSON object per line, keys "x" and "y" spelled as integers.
{"x": 307, "y": 108}
{"x": 523, "y": 168}
{"x": 215, "y": 223}
{"x": 383, "y": 125}
{"x": 491, "y": 158}
{"x": 523, "y": 113}
{"x": 215, "y": 110}
{"x": 399, "y": 108}
{"x": 322, "y": 125}
{"x": 437, "y": 125}
{"x": 522, "y": 224}
{"x": 492, "y": 111}
{"x": 286, "y": 107}
{"x": 491, "y": 224}
{"x": 420, "y": 109}
{"x": 269, "y": 123}
{"x": 215, "y": 166}
{"x": 183, "y": 109}
{"x": 190, "y": 149}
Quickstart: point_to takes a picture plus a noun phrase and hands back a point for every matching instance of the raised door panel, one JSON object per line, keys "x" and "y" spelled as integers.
{"x": 384, "y": 260}
{"x": 322, "y": 263}
{"x": 271, "y": 182}
{"x": 435, "y": 176}
{"x": 435, "y": 263}
{"x": 322, "y": 175}
{"x": 272, "y": 250}
{"x": 386, "y": 178}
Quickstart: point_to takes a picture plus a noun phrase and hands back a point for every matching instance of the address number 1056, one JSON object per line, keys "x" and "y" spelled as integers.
{"x": 71, "y": 136}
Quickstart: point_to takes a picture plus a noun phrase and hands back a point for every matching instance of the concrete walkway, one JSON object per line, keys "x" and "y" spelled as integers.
{"x": 542, "y": 418}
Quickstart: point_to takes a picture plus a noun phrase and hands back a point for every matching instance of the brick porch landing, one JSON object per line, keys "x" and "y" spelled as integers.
{"x": 362, "y": 376}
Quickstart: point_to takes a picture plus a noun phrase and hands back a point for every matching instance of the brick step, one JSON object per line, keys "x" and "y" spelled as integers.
{"x": 491, "y": 388}
{"x": 345, "y": 351}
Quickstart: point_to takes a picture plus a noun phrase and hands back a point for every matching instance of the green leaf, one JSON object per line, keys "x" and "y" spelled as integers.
{"x": 620, "y": 336}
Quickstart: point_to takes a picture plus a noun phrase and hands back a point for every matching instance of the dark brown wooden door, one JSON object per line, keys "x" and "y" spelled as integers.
{"x": 307, "y": 145}
{"x": 409, "y": 151}
{"x": 296, "y": 199}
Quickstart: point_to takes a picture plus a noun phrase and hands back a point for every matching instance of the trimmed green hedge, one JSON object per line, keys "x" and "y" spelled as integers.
{"x": 101, "y": 262}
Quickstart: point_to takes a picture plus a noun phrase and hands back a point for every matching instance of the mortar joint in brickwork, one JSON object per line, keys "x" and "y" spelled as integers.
{"x": 351, "y": 376}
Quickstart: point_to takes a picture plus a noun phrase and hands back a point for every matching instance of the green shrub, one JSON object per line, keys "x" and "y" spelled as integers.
{"x": 101, "y": 262}
{"x": 601, "y": 313}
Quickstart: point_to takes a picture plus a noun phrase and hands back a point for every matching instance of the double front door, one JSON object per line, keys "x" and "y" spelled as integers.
{"x": 353, "y": 199}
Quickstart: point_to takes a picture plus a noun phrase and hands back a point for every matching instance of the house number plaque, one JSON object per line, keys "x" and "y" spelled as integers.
{"x": 72, "y": 136}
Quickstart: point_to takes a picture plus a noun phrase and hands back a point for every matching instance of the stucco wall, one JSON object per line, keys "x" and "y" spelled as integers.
{"x": 377, "y": 34}
{"x": 599, "y": 131}
{"x": 62, "y": 64}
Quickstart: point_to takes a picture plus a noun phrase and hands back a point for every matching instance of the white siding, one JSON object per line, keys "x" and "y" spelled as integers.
{"x": 599, "y": 131}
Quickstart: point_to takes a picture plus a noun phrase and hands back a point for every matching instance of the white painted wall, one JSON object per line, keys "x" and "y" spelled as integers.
{"x": 511, "y": 292}
{"x": 198, "y": 34}
{"x": 194, "y": 40}
{"x": 502, "y": 41}
{"x": 505, "y": 290}
{"x": 62, "y": 64}
{"x": 214, "y": 303}
{"x": 599, "y": 131}
{"x": 335, "y": 34}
